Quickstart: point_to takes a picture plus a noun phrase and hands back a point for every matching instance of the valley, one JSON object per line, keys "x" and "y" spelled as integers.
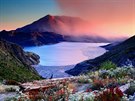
{"x": 58, "y": 58}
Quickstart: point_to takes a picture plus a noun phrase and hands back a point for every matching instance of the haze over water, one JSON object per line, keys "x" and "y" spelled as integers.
{"x": 57, "y": 58}
{"x": 67, "y": 53}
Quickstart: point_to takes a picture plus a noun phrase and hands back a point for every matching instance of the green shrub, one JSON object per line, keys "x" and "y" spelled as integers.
{"x": 108, "y": 65}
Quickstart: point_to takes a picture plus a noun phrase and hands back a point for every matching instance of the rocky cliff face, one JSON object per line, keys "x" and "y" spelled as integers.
{"x": 122, "y": 54}
{"x": 15, "y": 63}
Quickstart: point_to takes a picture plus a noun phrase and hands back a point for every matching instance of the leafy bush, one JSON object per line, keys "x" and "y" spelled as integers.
{"x": 84, "y": 79}
{"x": 97, "y": 85}
{"x": 104, "y": 75}
{"x": 111, "y": 94}
{"x": 108, "y": 65}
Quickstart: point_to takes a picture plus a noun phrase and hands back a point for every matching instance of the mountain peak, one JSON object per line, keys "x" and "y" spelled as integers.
{"x": 56, "y": 24}
{"x": 49, "y": 16}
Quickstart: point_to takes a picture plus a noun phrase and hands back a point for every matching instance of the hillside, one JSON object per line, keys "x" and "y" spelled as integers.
{"x": 15, "y": 63}
{"x": 122, "y": 54}
{"x": 31, "y": 38}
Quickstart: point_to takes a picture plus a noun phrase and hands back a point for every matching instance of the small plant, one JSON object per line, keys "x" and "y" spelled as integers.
{"x": 111, "y": 94}
{"x": 84, "y": 80}
{"x": 11, "y": 99}
{"x": 131, "y": 89}
{"x": 11, "y": 82}
{"x": 108, "y": 65}
{"x": 104, "y": 75}
{"x": 97, "y": 84}
{"x": 11, "y": 89}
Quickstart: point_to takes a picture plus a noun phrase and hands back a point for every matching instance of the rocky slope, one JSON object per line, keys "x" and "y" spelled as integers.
{"x": 15, "y": 63}
{"x": 122, "y": 54}
{"x": 31, "y": 38}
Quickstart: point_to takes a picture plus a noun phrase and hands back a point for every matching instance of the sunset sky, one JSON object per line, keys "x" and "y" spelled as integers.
{"x": 106, "y": 17}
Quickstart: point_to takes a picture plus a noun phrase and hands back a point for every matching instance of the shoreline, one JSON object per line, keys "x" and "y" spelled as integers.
{"x": 53, "y": 71}
{"x": 68, "y": 56}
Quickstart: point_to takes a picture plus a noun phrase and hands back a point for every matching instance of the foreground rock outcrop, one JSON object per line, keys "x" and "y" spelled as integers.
{"x": 15, "y": 64}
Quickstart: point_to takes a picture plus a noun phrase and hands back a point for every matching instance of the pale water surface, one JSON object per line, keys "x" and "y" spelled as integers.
{"x": 67, "y": 53}
{"x": 57, "y": 58}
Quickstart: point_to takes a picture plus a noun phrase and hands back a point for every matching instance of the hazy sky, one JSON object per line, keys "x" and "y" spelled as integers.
{"x": 114, "y": 17}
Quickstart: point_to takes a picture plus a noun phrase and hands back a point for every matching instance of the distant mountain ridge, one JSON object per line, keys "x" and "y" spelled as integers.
{"x": 50, "y": 30}
{"x": 31, "y": 38}
{"x": 56, "y": 24}
{"x": 123, "y": 54}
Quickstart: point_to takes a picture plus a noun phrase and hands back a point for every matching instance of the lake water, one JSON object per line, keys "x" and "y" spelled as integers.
{"x": 67, "y": 53}
{"x": 57, "y": 57}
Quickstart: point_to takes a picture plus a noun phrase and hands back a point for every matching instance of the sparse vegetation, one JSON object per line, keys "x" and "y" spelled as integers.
{"x": 12, "y": 99}
{"x": 11, "y": 89}
{"x": 94, "y": 87}
{"x": 16, "y": 72}
{"x": 107, "y": 65}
